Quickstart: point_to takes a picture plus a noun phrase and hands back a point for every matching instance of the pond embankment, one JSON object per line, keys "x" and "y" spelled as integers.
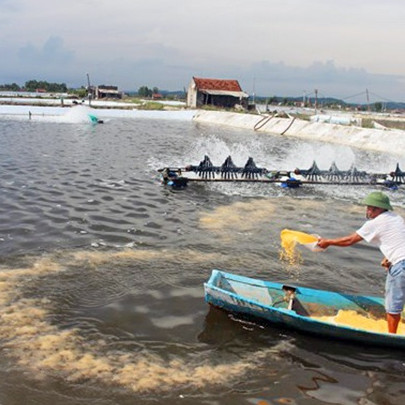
{"x": 382, "y": 140}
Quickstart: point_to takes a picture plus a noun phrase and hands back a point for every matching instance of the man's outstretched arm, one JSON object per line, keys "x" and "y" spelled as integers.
{"x": 343, "y": 241}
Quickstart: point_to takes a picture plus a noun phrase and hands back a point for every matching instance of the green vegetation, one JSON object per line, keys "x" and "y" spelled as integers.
{"x": 367, "y": 123}
{"x": 150, "y": 105}
{"x": 132, "y": 99}
{"x": 35, "y": 85}
{"x": 210, "y": 107}
{"x": 272, "y": 102}
{"x": 304, "y": 117}
{"x": 378, "y": 107}
{"x": 10, "y": 87}
{"x": 392, "y": 124}
{"x": 145, "y": 91}
{"x": 80, "y": 93}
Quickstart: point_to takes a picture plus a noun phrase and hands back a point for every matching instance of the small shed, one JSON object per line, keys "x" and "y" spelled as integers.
{"x": 217, "y": 92}
{"x": 103, "y": 91}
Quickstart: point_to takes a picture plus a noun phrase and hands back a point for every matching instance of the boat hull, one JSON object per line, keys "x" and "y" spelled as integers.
{"x": 266, "y": 300}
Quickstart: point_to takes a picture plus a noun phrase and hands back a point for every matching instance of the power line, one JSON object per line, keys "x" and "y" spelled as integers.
{"x": 380, "y": 97}
{"x": 355, "y": 95}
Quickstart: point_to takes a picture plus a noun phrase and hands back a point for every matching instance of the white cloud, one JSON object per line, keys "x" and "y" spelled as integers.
{"x": 52, "y": 54}
{"x": 286, "y": 45}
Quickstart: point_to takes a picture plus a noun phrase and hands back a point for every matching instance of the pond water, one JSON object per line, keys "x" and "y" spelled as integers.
{"x": 102, "y": 268}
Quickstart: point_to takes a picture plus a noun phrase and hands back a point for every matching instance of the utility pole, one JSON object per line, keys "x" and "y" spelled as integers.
{"x": 89, "y": 91}
{"x": 254, "y": 90}
{"x": 368, "y": 101}
{"x": 316, "y": 99}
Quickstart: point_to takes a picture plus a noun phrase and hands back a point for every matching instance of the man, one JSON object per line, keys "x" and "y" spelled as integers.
{"x": 386, "y": 230}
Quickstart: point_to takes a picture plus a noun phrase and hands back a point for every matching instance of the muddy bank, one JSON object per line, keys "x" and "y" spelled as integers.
{"x": 381, "y": 140}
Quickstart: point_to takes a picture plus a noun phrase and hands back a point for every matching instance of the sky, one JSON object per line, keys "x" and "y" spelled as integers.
{"x": 348, "y": 49}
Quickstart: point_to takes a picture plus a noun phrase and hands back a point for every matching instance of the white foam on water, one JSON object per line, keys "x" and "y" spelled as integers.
{"x": 304, "y": 155}
{"x": 42, "y": 349}
{"x": 218, "y": 150}
{"x": 78, "y": 114}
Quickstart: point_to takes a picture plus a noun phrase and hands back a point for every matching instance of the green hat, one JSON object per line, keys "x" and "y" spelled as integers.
{"x": 378, "y": 199}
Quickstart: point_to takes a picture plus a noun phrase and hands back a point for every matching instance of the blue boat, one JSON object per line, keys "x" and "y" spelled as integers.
{"x": 295, "y": 307}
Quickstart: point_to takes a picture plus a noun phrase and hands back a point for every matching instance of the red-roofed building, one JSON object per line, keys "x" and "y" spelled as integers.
{"x": 218, "y": 92}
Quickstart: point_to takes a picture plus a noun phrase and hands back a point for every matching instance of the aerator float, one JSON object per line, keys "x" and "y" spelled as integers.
{"x": 205, "y": 171}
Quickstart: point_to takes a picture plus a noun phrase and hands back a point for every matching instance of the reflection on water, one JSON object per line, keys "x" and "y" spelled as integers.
{"x": 101, "y": 270}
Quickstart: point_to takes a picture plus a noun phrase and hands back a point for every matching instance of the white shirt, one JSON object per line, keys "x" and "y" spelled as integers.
{"x": 387, "y": 231}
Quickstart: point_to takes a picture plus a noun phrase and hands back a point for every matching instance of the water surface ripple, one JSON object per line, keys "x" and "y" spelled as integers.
{"x": 102, "y": 269}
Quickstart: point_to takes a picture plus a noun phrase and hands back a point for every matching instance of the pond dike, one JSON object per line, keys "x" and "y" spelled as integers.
{"x": 390, "y": 141}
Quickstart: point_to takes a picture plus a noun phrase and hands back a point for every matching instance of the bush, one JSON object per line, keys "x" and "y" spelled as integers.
{"x": 150, "y": 105}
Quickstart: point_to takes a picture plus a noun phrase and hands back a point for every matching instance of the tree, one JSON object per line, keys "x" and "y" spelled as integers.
{"x": 10, "y": 87}
{"x": 378, "y": 106}
{"x": 33, "y": 85}
{"x": 144, "y": 91}
{"x": 82, "y": 92}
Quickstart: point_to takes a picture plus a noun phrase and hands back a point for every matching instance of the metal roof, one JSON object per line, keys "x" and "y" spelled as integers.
{"x": 239, "y": 94}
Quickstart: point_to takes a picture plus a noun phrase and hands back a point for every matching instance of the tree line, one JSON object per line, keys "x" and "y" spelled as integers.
{"x": 34, "y": 85}
{"x": 145, "y": 91}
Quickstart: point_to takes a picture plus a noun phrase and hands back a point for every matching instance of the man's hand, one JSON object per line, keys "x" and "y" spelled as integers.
{"x": 323, "y": 243}
{"x": 385, "y": 263}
